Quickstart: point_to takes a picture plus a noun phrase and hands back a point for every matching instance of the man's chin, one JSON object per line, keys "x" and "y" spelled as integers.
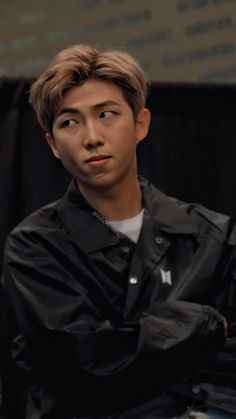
{"x": 101, "y": 182}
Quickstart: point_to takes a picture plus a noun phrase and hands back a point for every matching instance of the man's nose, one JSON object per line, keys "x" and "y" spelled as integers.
{"x": 92, "y": 136}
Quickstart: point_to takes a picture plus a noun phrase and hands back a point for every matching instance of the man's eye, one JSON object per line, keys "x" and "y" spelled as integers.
{"x": 69, "y": 123}
{"x": 106, "y": 114}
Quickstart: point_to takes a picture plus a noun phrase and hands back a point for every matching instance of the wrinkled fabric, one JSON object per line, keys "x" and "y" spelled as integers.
{"x": 112, "y": 329}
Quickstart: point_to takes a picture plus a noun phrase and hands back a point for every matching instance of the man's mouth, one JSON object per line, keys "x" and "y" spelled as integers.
{"x": 97, "y": 158}
{"x": 98, "y": 162}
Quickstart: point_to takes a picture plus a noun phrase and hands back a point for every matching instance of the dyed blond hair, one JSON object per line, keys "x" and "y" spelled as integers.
{"x": 78, "y": 63}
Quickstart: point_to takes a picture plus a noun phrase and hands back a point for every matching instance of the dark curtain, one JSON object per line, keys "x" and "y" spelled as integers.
{"x": 190, "y": 153}
{"x": 191, "y": 149}
{"x": 29, "y": 175}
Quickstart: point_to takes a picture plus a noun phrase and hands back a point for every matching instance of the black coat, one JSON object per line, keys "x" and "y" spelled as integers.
{"x": 112, "y": 329}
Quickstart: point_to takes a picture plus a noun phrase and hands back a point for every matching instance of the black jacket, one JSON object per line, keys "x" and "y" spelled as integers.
{"x": 109, "y": 328}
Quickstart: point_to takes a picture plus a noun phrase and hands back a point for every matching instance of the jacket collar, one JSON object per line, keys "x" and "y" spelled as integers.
{"x": 82, "y": 221}
{"x": 90, "y": 230}
{"x": 169, "y": 215}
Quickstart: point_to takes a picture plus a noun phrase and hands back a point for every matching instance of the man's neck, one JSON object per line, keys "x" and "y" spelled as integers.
{"x": 116, "y": 204}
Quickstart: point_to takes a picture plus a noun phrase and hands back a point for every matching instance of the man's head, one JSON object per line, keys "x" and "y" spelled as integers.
{"x": 92, "y": 106}
{"x": 78, "y": 63}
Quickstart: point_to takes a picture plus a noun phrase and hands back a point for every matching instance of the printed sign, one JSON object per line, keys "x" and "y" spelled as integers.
{"x": 175, "y": 41}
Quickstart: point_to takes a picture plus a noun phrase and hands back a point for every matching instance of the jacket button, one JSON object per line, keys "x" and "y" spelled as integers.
{"x": 159, "y": 240}
{"x": 133, "y": 280}
{"x": 196, "y": 389}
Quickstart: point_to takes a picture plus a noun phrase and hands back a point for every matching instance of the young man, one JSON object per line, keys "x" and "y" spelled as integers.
{"x": 123, "y": 298}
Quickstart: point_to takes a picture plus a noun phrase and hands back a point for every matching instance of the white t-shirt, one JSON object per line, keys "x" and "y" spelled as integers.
{"x": 130, "y": 227}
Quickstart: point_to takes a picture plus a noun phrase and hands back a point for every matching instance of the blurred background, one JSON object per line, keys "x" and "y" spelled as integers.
{"x": 188, "y": 50}
{"x": 175, "y": 40}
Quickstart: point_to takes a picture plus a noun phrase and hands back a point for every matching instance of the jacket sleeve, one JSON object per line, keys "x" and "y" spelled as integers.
{"x": 12, "y": 388}
{"x": 176, "y": 336}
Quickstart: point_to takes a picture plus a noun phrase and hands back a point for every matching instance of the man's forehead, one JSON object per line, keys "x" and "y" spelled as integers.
{"x": 93, "y": 94}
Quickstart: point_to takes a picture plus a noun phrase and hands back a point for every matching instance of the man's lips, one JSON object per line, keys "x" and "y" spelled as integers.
{"x": 98, "y": 161}
{"x": 97, "y": 158}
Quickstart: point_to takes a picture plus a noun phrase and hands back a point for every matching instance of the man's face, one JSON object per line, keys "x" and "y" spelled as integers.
{"x": 95, "y": 133}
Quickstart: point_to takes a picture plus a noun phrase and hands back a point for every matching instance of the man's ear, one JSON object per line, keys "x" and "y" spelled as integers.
{"x": 51, "y": 142}
{"x": 142, "y": 124}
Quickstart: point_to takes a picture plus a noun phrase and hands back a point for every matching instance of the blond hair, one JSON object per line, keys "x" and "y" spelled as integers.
{"x": 78, "y": 63}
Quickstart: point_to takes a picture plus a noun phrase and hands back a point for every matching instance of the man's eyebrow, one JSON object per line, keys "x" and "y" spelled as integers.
{"x": 67, "y": 110}
{"x": 97, "y": 106}
{"x": 105, "y": 103}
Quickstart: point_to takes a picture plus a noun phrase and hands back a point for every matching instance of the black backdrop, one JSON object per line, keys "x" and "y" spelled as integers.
{"x": 190, "y": 153}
